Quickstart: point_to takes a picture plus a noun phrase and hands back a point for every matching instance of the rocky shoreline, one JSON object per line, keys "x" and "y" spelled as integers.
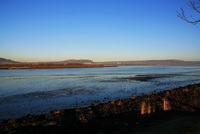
{"x": 120, "y": 116}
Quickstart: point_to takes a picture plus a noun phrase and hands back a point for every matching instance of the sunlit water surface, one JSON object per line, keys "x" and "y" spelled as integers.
{"x": 43, "y": 90}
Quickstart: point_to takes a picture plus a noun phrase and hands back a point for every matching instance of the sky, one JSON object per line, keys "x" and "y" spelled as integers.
{"x": 100, "y": 30}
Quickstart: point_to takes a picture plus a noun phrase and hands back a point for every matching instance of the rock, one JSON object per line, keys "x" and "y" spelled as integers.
{"x": 82, "y": 118}
{"x": 186, "y": 90}
{"x": 25, "y": 124}
{"x": 52, "y": 123}
{"x": 94, "y": 105}
{"x": 119, "y": 103}
{"x": 16, "y": 125}
{"x": 57, "y": 112}
{"x": 11, "y": 121}
{"x": 112, "y": 102}
{"x": 184, "y": 98}
{"x": 37, "y": 123}
{"x": 133, "y": 97}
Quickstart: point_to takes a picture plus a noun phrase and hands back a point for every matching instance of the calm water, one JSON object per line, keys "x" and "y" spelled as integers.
{"x": 40, "y": 91}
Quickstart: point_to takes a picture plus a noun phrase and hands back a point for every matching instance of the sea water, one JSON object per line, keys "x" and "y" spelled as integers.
{"x": 42, "y": 90}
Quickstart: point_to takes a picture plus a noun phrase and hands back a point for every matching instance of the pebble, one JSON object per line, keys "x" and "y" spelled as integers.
{"x": 35, "y": 123}
{"x": 57, "y": 112}
{"x": 133, "y": 97}
{"x": 52, "y": 123}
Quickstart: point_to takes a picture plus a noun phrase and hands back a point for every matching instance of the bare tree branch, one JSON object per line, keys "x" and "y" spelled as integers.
{"x": 195, "y": 5}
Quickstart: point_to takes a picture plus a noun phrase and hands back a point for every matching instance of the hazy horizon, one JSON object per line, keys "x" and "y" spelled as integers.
{"x": 105, "y": 60}
{"x": 99, "y": 30}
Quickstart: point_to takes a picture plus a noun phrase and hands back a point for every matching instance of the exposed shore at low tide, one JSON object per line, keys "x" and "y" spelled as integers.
{"x": 178, "y": 105}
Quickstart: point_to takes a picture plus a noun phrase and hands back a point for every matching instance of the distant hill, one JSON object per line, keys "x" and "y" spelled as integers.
{"x": 120, "y": 63}
{"x": 3, "y": 60}
{"x": 83, "y": 61}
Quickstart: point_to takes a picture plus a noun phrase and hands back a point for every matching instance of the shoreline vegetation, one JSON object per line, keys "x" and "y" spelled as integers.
{"x": 6, "y": 64}
{"x": 9, "y": 66}
{"x": 171, "y": 111}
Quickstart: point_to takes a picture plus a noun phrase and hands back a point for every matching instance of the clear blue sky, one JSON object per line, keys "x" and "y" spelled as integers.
{"x": 100, "y": 30}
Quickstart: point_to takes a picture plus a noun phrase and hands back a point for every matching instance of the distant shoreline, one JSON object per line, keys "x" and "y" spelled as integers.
{"x": 16, "y": 66}
{"x": 82, "y": 63}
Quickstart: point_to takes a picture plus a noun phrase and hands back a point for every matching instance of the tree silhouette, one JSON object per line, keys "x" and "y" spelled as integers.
{"x": 195, "y": 5}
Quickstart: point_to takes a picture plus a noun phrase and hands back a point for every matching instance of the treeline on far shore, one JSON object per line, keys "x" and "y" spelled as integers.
{"x": 46, "y": 65}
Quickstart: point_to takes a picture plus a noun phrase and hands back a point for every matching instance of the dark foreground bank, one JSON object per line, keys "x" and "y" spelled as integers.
{"x": 173, "y": 111}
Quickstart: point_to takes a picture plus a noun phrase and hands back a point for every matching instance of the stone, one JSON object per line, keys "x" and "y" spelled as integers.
{"x": 35, "y": 123}
{"x": 133, "y": 97}
{"x": 57, "y": 112}
{"x": 52, "y": 123}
